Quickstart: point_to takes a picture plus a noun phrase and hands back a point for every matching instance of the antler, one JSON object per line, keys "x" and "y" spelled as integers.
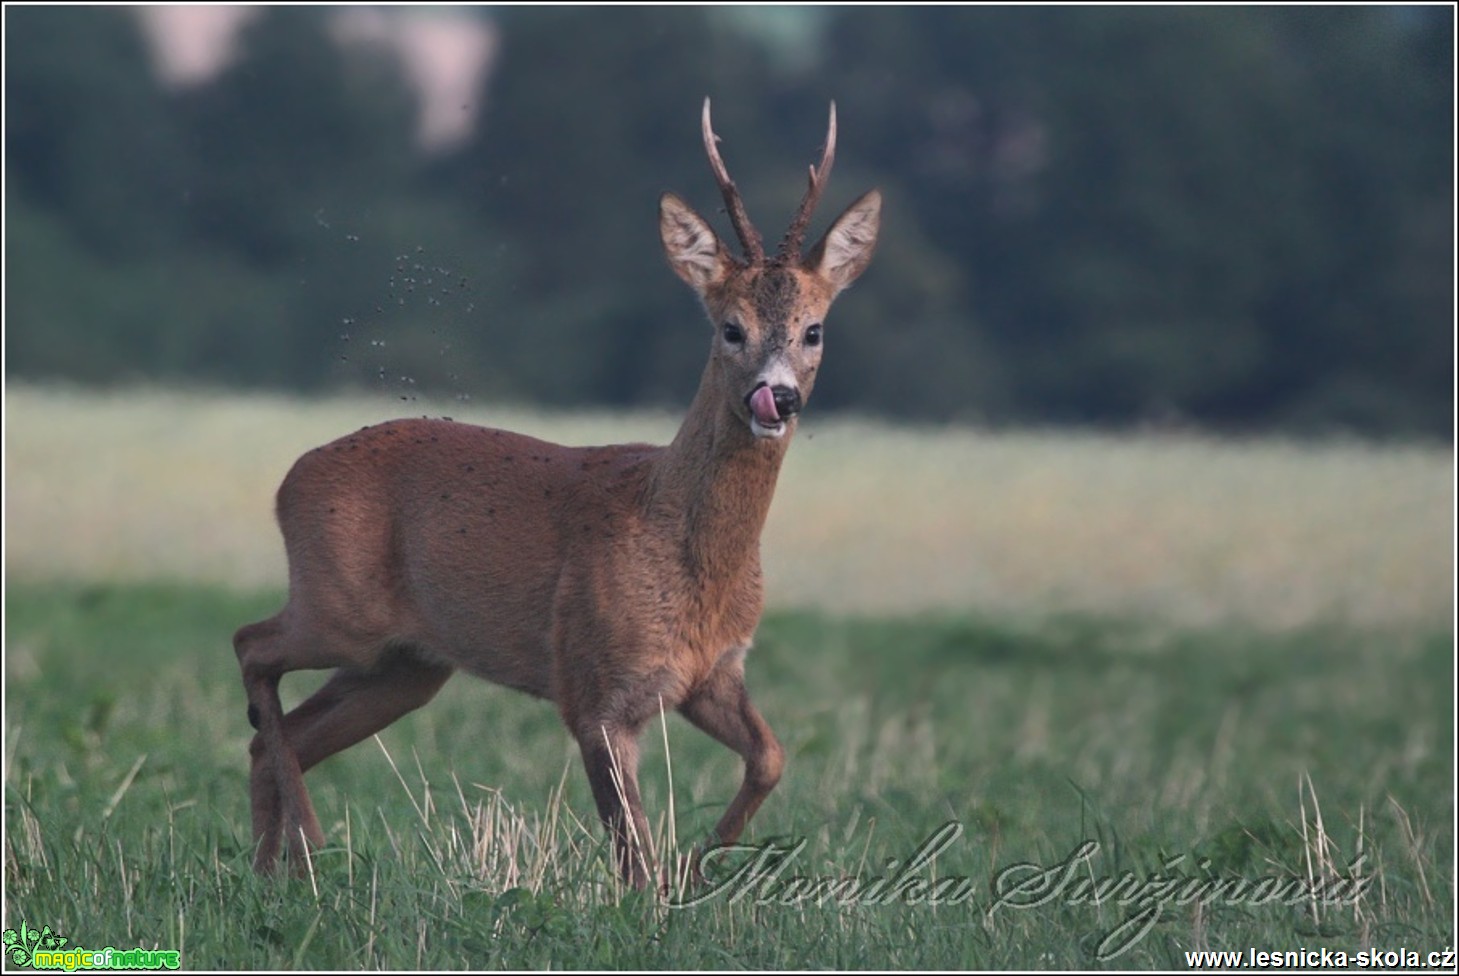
{"x": 749, "y": 237}
{"x": 795, "y": 235}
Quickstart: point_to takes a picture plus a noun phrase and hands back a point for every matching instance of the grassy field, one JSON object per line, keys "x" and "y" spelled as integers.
{"x": 466, "y": 838}
{"x": 869, "y": 518}
{"x": 1216, "y": 662}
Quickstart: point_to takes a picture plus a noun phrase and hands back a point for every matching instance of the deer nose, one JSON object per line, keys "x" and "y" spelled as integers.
{"x": 787, "y": 400}
{"x": 772, "y": 404}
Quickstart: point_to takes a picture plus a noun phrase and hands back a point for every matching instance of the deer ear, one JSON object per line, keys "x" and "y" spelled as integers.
{"x": 694, "y": 250}
{"x": 846, "y": 249}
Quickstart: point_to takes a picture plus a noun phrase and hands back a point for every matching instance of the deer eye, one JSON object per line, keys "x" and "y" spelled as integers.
{"x": 733, "y": 334}
{"x": 813, "y": 335}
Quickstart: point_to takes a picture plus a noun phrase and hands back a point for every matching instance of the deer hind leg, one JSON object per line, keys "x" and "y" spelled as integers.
{"x": 281, "y": 807}
{"x": 282, "y": 812}
{"x": 352, "y": 705}
{"x": 610, "y": 754}
{"x": 721, "y": 707}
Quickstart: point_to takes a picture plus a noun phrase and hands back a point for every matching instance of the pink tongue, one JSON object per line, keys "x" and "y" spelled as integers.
{"x": 762, "y": 404}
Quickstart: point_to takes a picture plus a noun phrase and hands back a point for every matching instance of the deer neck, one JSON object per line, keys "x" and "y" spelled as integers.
{"x": 714, "y": 484}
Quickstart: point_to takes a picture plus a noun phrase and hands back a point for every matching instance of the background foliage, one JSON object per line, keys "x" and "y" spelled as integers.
{"x": 1238, "y": 217}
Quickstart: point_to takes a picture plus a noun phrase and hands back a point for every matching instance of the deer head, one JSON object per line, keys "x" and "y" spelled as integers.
{"x": 768, "y": 313}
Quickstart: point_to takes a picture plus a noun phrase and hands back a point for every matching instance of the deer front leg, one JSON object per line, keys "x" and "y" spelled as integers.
{"x": 611, "y": 757}
{"x": 722, "y": 708}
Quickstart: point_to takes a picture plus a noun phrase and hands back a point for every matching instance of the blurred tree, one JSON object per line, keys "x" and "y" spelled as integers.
{"x": 1239, "y": 216}
{"x": 88, "y": 135}
{"x": 294, "y": 145}
{"x": 1184, "y": 211}
{"x": 590, "y": 114}
{"x": 93, "y": 162}
{"x": 295, "y": 130}
{"x": 1366, "y": 337}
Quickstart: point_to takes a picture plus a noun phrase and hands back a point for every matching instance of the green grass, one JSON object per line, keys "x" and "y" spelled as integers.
{"x": 1217, "y": 659}
{"x": 473, "y": 845}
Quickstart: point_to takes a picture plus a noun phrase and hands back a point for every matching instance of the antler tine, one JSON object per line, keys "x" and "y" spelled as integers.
{"x": 749, "y": 237}
{"x": 795, "y": 235}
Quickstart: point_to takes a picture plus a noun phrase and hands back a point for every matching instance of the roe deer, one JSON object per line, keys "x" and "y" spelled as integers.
{"x": 612, "y": 581}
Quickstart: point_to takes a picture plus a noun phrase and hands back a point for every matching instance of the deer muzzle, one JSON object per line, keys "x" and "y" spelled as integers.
{"x": 770, "y": 406}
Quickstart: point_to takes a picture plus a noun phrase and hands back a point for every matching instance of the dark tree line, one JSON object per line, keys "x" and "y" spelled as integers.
{"x": 1238, "y": 217}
